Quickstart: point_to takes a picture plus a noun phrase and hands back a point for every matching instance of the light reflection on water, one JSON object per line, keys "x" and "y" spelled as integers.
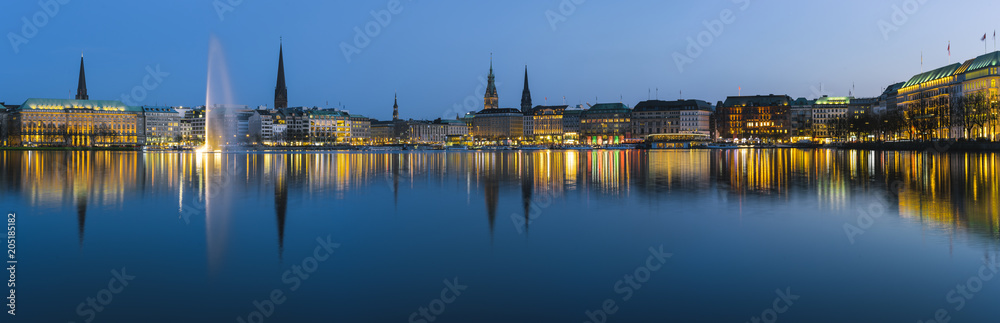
{"x": 949, "y": 197}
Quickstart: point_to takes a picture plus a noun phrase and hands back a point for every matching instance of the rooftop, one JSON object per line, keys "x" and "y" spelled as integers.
{"x": 657, "y": 105}
{"x": 62, "y": 104}
{"x": 758, "y": 100}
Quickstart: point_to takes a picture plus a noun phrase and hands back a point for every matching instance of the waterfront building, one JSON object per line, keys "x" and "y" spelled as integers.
{"x": 193, "y": 125}
{"x": 571, "y": 125}
{"x": 498, "y": 126}
{"x": 801, "y": 119}
{"x": 606, "y": 123}
{"x": 829, "y": 116}
{"x": 671, "y": 117}
{"x": 755, "y": 118}
{"x": 383, "y": 132}
{"x": 3, "y": 125}
{"x": 887, "y": 101}
{"x": 75, "y": 123}
{"x": 926, "y": 101}
{"x": 494, "y": 125}
{"x": 546, "y": 124}
{"x": 291, "y": 126}
{"x": 360, "y": 129}
{"x": 262, "y": 126}
{"x": 161, "y": 125}
{"x": 978, "y": 111}
{"x": 328, "y": 126}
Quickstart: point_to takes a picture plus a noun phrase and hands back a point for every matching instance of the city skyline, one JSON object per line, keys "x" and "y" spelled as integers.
{"x": 432, "y": 83}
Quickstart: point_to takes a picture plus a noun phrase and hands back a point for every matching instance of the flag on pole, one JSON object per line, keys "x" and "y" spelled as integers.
{"x": 949, "y": 48}
{"x": 984, "y": 38}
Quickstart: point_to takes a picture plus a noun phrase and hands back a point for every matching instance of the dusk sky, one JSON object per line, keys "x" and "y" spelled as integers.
{"x": 433, "y": 53}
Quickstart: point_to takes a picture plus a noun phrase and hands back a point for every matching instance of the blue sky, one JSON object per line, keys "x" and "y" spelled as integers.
{"x": 433, "y": 53}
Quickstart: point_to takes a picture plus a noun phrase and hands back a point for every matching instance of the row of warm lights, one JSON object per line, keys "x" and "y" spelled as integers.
{"x": 60, "y": 107}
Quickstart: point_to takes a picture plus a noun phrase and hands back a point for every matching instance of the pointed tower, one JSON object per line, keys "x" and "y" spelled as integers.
{"x": 526, "y": 94}
{"x": 490, "y": 99}
{"x": 280, "y": 91}
{"x": 81, "y": 86}
{"x": 395, "y": 107}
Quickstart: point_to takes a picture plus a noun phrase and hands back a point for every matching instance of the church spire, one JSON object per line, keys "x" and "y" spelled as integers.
{"x": 280, "y": 91}
{"x": 81, "y": 87}
{"x": 526, "y": 94}
{"x": 490, "y": 99}
{"x": 395, "y": 107}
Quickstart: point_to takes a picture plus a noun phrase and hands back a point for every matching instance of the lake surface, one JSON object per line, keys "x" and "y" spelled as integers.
{"x": 544, "y": 236}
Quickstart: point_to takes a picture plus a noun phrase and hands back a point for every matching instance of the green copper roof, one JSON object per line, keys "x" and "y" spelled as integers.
{"x": 933, "y": 75}
{"x": 333, "y": 113}
{"x": 828, "y": 100}
{"x": 61, "y": 104}
{"x": 985, "y": 61}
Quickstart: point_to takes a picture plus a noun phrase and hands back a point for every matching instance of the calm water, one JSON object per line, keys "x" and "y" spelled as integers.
{"x": 207, "y": 236}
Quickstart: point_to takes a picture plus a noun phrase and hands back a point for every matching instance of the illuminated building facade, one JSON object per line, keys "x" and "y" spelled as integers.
{"x": 193, "y": 125}
{"x": 827, "y": 112}
{"x": 546, "y": 124}
{"x": 606, "y": 123}
{"x": 571, "y": 125}
{"x": 760, "y": 118}
{"x": 954, "y": 101}
{"x": 360, "y": 129}
{"x": 329, "y": 126}
{"x": 75, "y": 123}
{"x": 495, "y": 125}
{"x": 801, "y": 119}
{"x": 161, "y": 125}
{"x": 926, "y": 102}
{"x": 670, "y": 117}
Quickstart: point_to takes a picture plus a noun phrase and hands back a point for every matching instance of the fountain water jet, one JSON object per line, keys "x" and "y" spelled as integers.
{"x": 220, "y": 116}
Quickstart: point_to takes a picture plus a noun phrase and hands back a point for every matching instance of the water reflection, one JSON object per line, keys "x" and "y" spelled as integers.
{"x": 955, "y": 192}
